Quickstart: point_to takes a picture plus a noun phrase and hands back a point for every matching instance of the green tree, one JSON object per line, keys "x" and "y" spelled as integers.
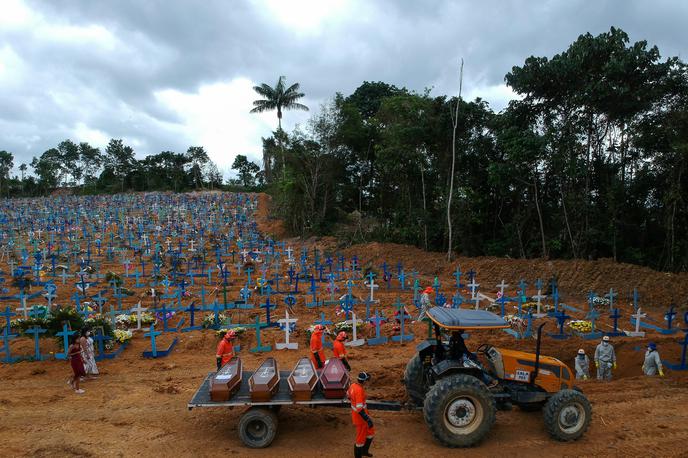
{"x": 277, "y": 98}
{"x": 246, "y": 169}
{"x": 6, "y": 164}
{"x": 198, "y": 159}
{"x": 120, "y": 161}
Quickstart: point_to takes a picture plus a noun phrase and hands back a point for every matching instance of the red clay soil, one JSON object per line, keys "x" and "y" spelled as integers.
{"x": 138, "y": 406}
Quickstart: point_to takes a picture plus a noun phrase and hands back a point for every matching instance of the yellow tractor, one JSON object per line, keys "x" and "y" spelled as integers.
{"x": 460, "y": 391}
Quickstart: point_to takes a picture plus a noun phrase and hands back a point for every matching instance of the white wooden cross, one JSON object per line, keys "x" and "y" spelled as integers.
{"x": 289, "y": 251}
{"x": 138, "y": 309}
{"x": 25, "y": 308}
{"x": 501, "y": 287}
{"x": 539, "y": 297}
{"x": 637, "y": 333}
{"x": 287, "y": 345}
{"x": 473, "y": 286}
{"x": 355, "y": 342}
{"x": 191, "y": 245}
{"x": 244, "y": 253}
{"x": 373, "y": 286}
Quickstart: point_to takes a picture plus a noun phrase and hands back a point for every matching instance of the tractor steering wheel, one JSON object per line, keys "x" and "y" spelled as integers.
{"x": 482, "y": 349}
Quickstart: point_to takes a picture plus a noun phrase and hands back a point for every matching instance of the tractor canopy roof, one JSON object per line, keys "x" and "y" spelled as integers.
{"x": 459, "y": 319}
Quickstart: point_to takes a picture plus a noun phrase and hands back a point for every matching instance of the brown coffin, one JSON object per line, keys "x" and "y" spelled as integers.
{"x": 227, "y": 381}
{"x": 264, "y": 382}
{"x": 334, "y": 379}
{"x": 302, "y": 380}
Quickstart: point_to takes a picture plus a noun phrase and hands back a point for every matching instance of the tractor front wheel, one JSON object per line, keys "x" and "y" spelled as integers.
{"x": 567, "y": 415}
{"x": 459, "y": 411}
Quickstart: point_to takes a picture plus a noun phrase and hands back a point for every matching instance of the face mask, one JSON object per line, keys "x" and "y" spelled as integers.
{"x": 605, "y": 343}
{"x": 88, "y": 334}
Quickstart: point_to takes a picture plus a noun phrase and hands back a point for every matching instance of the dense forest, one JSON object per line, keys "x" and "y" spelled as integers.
{"x": 590, "y": 161}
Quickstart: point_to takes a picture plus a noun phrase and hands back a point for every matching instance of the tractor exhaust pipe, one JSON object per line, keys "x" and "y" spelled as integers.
{"x": 534, "y": 375}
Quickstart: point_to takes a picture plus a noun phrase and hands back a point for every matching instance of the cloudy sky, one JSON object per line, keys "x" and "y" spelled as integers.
{"x": 167, "y": 74}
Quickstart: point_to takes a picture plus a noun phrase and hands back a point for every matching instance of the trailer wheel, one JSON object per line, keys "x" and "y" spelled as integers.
{"x": 567, "y": 415}
{"x": 459, "y": 410}
{"x": 415, "y": 380}
{"x": 258, "y": 427}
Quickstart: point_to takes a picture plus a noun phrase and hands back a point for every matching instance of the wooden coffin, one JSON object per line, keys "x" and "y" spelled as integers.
{"x": 334, "y": 379}
{"x": 264, "y": 382}
{"x": 227, "y": 381}
{"x": 302, "y": 380}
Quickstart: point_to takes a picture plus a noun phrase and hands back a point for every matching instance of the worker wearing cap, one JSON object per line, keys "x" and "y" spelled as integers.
{"x": 424, "y": 302}
{"x": 359, "y": 416}
{"x": 317, "y": 353}
{"x": 605, "y": 359}
{"x": 225, "y": 349}
{"x": 582, "y": 365}
{"x": 339, "y": 349}
{"x": 652, "y": 364}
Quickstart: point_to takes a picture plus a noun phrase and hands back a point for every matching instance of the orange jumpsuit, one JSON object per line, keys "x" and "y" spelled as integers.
{"x": 357, "y": 396}
{"x": 317, "y": 347}
{"x": 339, "y": 349}
{"x": 225, "y": 350}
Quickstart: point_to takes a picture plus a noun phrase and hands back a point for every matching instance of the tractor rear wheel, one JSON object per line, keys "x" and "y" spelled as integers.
{"x": 414, "y": 380}
{"x": 459, "y": 411}
{"x": 567, "y": 415}
{"x": 258, "y": 427}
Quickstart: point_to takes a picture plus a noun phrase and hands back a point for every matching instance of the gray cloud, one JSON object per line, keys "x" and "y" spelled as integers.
{"x": 96, "y": 67}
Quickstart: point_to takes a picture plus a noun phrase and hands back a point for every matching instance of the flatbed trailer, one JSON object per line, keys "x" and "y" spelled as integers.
{"x": 258, "y": 424}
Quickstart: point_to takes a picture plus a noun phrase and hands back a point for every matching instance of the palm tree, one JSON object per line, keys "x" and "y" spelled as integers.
{"x": 278, "y": 98}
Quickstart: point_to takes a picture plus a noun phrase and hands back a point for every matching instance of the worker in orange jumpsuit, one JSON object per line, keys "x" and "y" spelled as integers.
{"x": 359, "y": 416}
{"x": 225, "y": 349}
{"x": 339, "y": 349}
{"x": 317, "y": 353}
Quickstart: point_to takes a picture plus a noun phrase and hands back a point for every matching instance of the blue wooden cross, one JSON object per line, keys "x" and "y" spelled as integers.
{"x": 561, "y": 317}
{"x": 8, "y": 314}
{"x": 611, "y": 296}
{"x": 259, "y": 348}
{"x": 65, "y": 333}
{"x": 402, "y": 280}
{"x": 457, "y": 300}
{"x": 268, "y": 306}
{"x": 245, "y": 294}
{"x": 100, "y": 300}
{"x": 155, "y": 353}
{"x": 681, "y": 366}
{"x": 314, "y": 292}
{"x": 615, "y": 317}
{"x": 436, "y": 285}
{"x": 402, "y": 316}
{"x": 378, "y": 339}
{"x": 36, "y": 331}
{"x": 529, "y": 327}
{"x": 592, "y": 315}
{"x": 324, "y": 322}
{"x": 192, "y": 314}
{"x": 457, "y": 276}
{"x": 635, "y": 300}
{"x": 669, "y": 317}
{"x": 6, "y": 337}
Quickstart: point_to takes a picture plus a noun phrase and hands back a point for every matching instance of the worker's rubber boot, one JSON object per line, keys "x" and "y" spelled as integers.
{"x": 358, "y": 452}
{"x": 366, "y": 447}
